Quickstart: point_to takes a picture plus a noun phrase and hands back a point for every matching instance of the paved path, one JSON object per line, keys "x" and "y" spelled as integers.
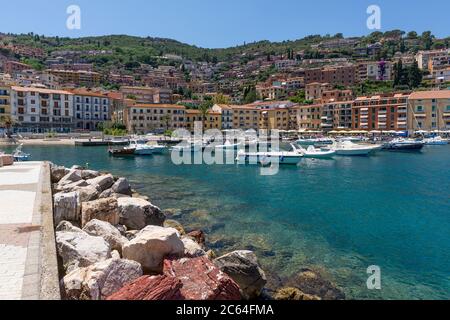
{"x": 20, "y": 230}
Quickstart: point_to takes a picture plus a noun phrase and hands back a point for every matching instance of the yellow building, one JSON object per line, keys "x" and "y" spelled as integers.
{"x": 246, "y": 117}
{"x": 77, "y": 77}
{"x": 143, "y": 118}
{"x": 309, "y": 117}
{"x": 213, "y": 120}
{"x": 429, "y": 110}
{"x": 5, "y": 101}
{"x": 278, "y": 118}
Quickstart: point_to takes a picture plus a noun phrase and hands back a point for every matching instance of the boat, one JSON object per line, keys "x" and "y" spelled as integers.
{"x": 19, "y": 155}
{"x": 318, "y": 153}
{"x": 140, "y": 148}
{"x": 157, "y": 148}
{"x": 435, "y": 141}
{"x": 228, "y": 146}
{"x": 314, "y": 141}
{"x": 266, "y": 158}
{"x": 401, "y": 144}
{"x": 348, "y": 148}
{"x": 189, "y": 146}
{"x": 127, "y": 151}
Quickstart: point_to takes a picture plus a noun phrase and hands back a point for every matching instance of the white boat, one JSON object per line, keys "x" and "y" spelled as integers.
{"x": 318, "y": 153}
{"x": 314, "y": 141}
{"x": 435, "y": 141}
{"x": 228, "y": 146}
{"x": 140, "y": 148}
{"x": 19, "y": 155}
{"x": 348, "y": 148}
{"x": 189, "y": 146}
{"x": 266, "y": 158}
{"x": 157, "y": 148}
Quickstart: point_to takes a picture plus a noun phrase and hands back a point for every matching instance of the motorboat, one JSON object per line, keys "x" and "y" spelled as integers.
{"x": 401, "y": 144}
{"x": 19, "y": 155}
{"x": 348, "y": 148}
{"x": 157, "y": 148}
{"x": 314, "y": 141}
{"x": 266, "y": 158}
{"x": 140, "y": 148}
{"x": 313, "y": 152}
{"x": 189, "y": 146}
{"x": 435, "y": 141}
{"x": 127, "y": 151}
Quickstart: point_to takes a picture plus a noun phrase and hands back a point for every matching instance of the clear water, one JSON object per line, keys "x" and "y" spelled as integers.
{"x": 339, "y": 216}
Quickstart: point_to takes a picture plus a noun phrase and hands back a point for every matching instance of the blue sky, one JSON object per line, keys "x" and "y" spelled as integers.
{"x": 223, "y": 23}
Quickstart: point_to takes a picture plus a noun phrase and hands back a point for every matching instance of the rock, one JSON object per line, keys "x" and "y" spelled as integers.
{"x": 106, "y": 231}
{"x": 69, "y": 187}
{"x": 289, "y": 293}
{"x": 211, "y": 254}
{"x": 66, "y": 206}
{"x": 122, "y": 229}
{"x": 79, "y": 249}
{"x": 151, "y": 245}
{"x": 101, "y": 209}
{"x": 199, "y": 236}
{"x": 137, "y": 213}
{"x": 191, "y": 248}
{"x": 109, "y": 193}
{"x": 131, "y": 234}
{"x": 71, "y": 177}
{"x": 174, "y": 224}
{"x": 89, "y": 174}
{"x": 77, "y": 167}
{"x": 161, "y": 287}
{"x": 122, "y": 186}
{"x": 202, "y": 280}
{"x": 103, "y": 182}
{"x": 87, "y": 193}
{"x": 242, "y": 266}
{"x": 67, "y": 226}
{"x": 312, "y": 283}
{"x": 58, "y": 172}
{"x": 140, "y": 196}
{"x": 101, "y": 279}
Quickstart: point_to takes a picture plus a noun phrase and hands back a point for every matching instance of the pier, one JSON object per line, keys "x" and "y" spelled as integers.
{"x": 28, "y": 263}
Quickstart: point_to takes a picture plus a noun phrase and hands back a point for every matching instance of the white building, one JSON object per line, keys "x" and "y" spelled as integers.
{"x": 227, "y": 115}
{"x": 90, "y": 109}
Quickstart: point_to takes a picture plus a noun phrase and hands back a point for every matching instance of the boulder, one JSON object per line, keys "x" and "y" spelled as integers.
{"x": 109, "y": 193}
{"x": 89, "y": 174}
{"x": 201, "y": 279}
{"x": 191, "y": 248}
{"x": 290, "y": 293}
{"x": 103, "y": 182}
{"x": 101, "y": 209}
{"x": 69, "y": 187}
{"x": 242, "y": 266}
{"x": 161, "y": 287}
{"x": 137, "y": 213}
{"x": 66, "y": 206}
{"x": 87, "y": 193}
{"x": 122, "y": 186}
{"x": 67, "y": 226}
{"x": 198, "y": 235}
{"x": 131, "y": 234}
{"x": 174, "y": 224}
{"x": 151, "y": 245}
{"x": 58, "y": 172}
{"x": 73, "y": 175}
{"x": 106, "y": 231}
{"x": 79, "y": 249}
{"x": 100, "y": 280}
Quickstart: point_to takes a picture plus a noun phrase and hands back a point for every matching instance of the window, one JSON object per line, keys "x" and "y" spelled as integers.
{"x": 419, "y": 108}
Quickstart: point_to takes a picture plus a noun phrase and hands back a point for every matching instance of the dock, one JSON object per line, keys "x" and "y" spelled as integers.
{"x": 28, "y": 260}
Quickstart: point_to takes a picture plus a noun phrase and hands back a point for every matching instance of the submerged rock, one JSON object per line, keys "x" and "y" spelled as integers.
{"x": 289, "y": 293}
{"x": 242, "y": 266}
{"x": 100, "y": 280}
{"x": 199, "y": 236}
{"x": 151, "y": 245}
{"x": 161, "y": 287}
{"x": 137, "y": 213}
{"x": 106, "y": 231}
{"x": 101, "y": 209}
{"x": 174, "y": 224}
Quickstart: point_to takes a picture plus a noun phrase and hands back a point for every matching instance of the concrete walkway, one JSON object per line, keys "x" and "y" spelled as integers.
{"x": 24, "y": 191}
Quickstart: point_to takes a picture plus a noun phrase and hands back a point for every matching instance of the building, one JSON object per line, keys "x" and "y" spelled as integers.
{"x": 147, "y": 95}
{"x": 14, "y": 67}
{"x": 429, "y": 110}
{"x": 90, "y": 109}
{"x": 314, "y": 90}
{"x": 278, "y": 118}
{"x": 77, "y": 77}
{"x": 309, "y": 117}
{"x": 5, "y": 100}
{"x": 227, "y": 115}
{"x": 336, "y": 95}
{"x": 246, "y": 117}
{"x": 381, "y": 113}
{"x": 41, "y": 110}
{"x": 423, "y": 57}
{"x": 213, "y": 120}
{"x": 144, "y": 118}
{"x": 441, "y": 76}
{"x": 271, "y": 92}
{"x": 375, "y": 70}
{"x": 336, "y": 115}
{"x": 337, "y": 75}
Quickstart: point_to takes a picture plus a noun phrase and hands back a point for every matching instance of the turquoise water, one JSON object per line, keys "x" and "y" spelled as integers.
{"x": 339, "y": 216}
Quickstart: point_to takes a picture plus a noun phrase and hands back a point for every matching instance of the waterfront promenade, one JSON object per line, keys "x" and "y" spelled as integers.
{"x": 28, "y": 268}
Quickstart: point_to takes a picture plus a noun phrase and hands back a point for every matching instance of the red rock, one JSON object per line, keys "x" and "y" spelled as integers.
{"x": 198, "y": 235}
{"x": 201, "y": 279}
{"x": 160, "y": 287}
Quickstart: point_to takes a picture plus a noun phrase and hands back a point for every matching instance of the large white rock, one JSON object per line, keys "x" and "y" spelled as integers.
{"x": 101, "y": 209}
{"x": 151, "y": 245}
{"x": 66, "y": 206}
{"x": 100, "y": 280}
{"x": 69, "y": 187}
{"x": 136, "y": 213}
{"x": 58, "y": 172}
{"x": 89, "y": 174}
{"x": 103, "y": 182}
{"x": 108, "y": 232}
{"x": 74, "y": 175}
{"x": 191, "y": 248}
{"x": 79, "y": 249}
{"x": 87, "y": 193}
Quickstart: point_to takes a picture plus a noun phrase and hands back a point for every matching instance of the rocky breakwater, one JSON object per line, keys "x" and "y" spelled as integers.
{"x": 113, "y": 244}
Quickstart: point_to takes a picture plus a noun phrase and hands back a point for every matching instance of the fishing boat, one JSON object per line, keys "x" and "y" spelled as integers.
{"x": 140, "y": 148}
{"x": 435, "y": 141}
{"x": 318, "y": 153}
{"x": 266, "y": 158}
{"x": 348, "y": 148}
{"x": 401, "y": 144}
{"x": 127, "y": 151}
{"x": 314, "y": 141}
{"x": 19, "y": 155}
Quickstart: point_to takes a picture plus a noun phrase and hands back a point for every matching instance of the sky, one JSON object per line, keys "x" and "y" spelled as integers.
{"x": 223, "y": 23}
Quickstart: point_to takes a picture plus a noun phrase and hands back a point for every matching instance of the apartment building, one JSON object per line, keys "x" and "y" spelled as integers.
{"x": 147, "y": 95}
{"x": 336, "y": 115}
{"x": 375, "y": 70}
{"x": 342, "y": 75}
{"x": 143, "y": 118}
{"x": 380, "y": 112}
{"x": 226, "y": 112}
{"x": 77, "y": 77}
{"x": 213, "y": 120}
{"x": 314, "y": 90}
{"x": 40, "y": 110}
{"x": 278, "y": 118}
{"x": 336, "y": 95}
{"x": 309, "y": 117}
{"x": 423, "y": 57}
{"x": 5, "y": 100}
{"x": 271, "y": 92}
{"x": 14, "y": 67}
{"x": 90, "y": 109}
{"x": 246, "y": 117}
{"x": 429, "y": 110}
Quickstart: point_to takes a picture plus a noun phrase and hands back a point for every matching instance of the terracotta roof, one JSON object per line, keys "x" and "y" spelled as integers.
{"x": 39, "y": 90}
{"x": 159, "y": 106}
{"x": 85, "y": 92}
{"x": 437, "y": 94}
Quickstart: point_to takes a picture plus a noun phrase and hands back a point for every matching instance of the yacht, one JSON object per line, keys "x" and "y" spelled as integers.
{"x": 157, "y": 148}
{"x": 314, "y": 141}
{"x": 140, "y": 148}
{"x": 402, "y": 144}
{"x": 265, "y": 158}
{"x": 348, "y": 148}
{"x": 435, "y": 141}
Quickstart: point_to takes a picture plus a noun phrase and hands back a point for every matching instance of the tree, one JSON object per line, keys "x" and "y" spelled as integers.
{"x": 7, "y": 122}
{"x": 204, "y": 110}
{"x": 220, "y": 98}
{"x": 414, "y": 76}
{"x": 427, "y": 40}
{"x": 412, "y": 35}
{"x": 250, "y": 94}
